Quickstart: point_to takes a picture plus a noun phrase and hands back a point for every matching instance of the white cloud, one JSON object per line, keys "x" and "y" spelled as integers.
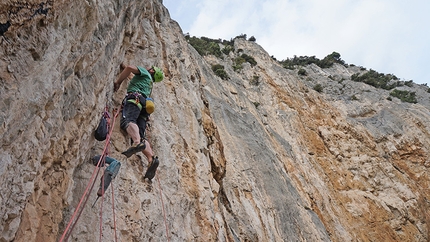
{"x": 389, "y": 36}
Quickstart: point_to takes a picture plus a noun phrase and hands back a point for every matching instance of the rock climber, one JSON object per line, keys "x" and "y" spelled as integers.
{"x": 137, "y": 107}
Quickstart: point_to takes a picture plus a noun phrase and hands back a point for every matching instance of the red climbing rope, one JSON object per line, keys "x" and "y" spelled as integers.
{"x": 78, "y": 211}
{"x": 113, "y": 211}
{"x": 101, "y": 211}
{"x": 113, "y": 195}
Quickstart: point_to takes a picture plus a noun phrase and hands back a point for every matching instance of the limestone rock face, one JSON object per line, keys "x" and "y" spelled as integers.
{"x": 261, "y": 156}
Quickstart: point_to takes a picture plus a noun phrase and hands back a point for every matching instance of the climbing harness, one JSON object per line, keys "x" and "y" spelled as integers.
{"x": 134, "y": 97}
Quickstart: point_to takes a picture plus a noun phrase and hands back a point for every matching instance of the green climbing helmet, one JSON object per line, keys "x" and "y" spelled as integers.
{"x": 158, "y": 74}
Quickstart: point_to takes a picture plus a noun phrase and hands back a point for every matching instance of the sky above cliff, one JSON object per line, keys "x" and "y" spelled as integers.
{"x": 388, "y": 36}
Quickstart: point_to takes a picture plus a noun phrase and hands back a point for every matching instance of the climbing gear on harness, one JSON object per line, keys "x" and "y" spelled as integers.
{"x": 103, "y": 128}
{"x": 150, "y": 173}
{"x": 158, "y": 75}
{"x": 149, "y": 105}
{"x": 134, "y": 149}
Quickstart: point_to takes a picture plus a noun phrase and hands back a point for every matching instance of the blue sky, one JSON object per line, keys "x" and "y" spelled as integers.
{"x": 388, "y": 36}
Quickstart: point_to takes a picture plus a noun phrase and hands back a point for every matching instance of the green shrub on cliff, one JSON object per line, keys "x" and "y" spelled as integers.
{"x": 405, "y": 96}
{"x": 328, "y": 61}
{"x": 219, "y": 71}
{"x": 378, "y": 80}
{"x": 205, "y": 46}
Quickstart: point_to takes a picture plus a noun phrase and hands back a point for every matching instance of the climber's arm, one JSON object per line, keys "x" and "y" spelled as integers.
{"x": 124, "y": 74}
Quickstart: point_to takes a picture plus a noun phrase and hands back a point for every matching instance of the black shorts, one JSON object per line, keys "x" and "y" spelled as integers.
{"x": 132, "y": 113}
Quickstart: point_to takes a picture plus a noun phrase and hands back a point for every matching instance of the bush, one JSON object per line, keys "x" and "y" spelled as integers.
{"x": 242, "y": 59}
{"x": 219, "y": 71}
{"x": 302, "y": 72}
{"x": 205, "y": 46}
{"x": 378, "y": 80}
{"x": 227, "y": 49}
{"x": 252, "y": 38}
{"x": 318, "y": 88}
{"x": 409, "y": 83}
{"x": 249, "y": 59}
{"x": 238, "y": 61}
{"x": 328, "y": 61}
{"x": 291, "y": 63}
{"x": 405, "y": 96}
{"x": 241, "y": 36}
{"x": 255, "y": 81}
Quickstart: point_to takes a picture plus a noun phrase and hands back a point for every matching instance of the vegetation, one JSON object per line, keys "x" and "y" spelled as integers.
{"x": 249, "y": 59}
{"x": 405, "y": 96}
{"x": 255, "y": 81}
{"x": 302, "y": 72}
{"x": 327, "y": 62}
{"x": 318, "y": 88}
{"x": 238, "y": 61}
{"x": 291, "y": 63}
{"x": 408, "y": 83}
{"x": 217, "y": 47}
{"x": 205, "y": 46}
{"x": 219, "y": 71}
{"x": 378, "y": 80}
{"x": 241, "y": 36}
{"x": 222, "y": 48}
{"x": 227, "y": 49}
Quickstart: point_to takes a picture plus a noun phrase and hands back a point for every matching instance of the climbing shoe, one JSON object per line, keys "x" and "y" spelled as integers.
{"x": 150, "y": 173}
{"x": 134, "y": 149}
